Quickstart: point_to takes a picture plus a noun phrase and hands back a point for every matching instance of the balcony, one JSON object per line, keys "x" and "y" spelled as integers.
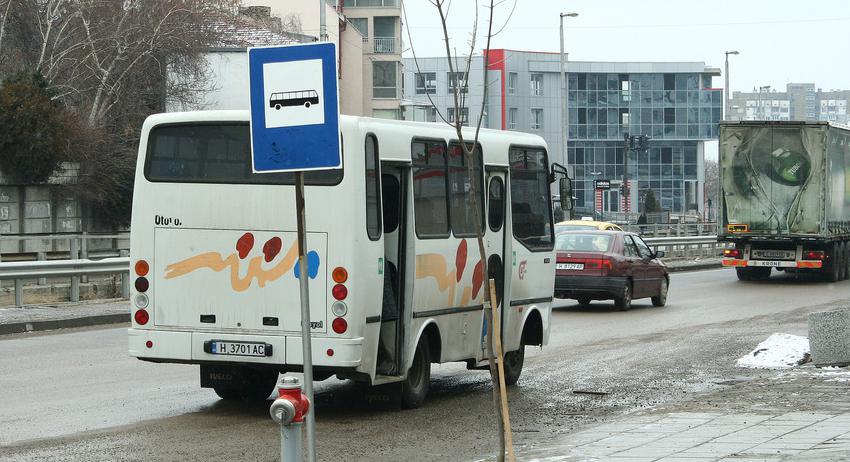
{"x": 385, "y": 45}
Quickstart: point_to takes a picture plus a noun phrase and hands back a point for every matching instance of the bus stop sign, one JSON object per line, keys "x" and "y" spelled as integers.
{"x": 294, "y": 108}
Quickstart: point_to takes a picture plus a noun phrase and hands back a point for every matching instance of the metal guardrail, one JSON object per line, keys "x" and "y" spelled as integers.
{"x": 76, "y": 268}
{"x": 688, "y": 246}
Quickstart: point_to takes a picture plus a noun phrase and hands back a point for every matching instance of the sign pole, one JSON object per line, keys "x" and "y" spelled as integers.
{"x": 306, "y": 344}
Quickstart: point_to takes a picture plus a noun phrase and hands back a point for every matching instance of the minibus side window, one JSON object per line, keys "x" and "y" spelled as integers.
{"x": 461, "y": 187}
{"x": 430, "y": 189}
{"x": 497, "y": 203}
{"x": 373, "y": 189}
{"x": 531, "y": 212}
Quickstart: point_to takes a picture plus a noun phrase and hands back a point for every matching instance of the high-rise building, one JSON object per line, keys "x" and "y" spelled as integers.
{"x": 379, "y": 23}
{"x": 673, "y": 103}
{"x": 799, "y": 101}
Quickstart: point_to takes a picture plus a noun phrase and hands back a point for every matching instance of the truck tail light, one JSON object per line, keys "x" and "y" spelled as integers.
{"x": 814, "y": 255}
{"x": 733, "y": 253}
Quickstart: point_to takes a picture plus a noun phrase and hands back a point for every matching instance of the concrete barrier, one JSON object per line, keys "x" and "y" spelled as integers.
{"x": 829, "y": 337}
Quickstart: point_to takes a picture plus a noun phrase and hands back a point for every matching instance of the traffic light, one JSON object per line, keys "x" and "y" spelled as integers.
{"x": 624, "y": 190}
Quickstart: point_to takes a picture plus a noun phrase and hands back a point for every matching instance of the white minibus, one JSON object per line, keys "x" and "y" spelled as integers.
{"x": 395, "y": 277}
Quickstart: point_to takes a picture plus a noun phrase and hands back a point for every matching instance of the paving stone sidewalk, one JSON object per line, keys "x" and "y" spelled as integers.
{"x": 800, "y": 415}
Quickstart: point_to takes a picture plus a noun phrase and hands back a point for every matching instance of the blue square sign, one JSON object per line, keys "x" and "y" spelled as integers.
{"x": 294, "y": 108}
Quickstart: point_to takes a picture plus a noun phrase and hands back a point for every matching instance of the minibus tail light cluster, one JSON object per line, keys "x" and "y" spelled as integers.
{"x": 340, "y": 293}
{"x": 142, "y": 284}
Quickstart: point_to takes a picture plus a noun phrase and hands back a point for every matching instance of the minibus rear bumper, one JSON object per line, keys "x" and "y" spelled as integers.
{"x": 189, "y": 347}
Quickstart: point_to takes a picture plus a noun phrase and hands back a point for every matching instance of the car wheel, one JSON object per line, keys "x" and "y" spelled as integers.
{"x": 661, "y": 298}
{"x": 583, "y": 300}
{"x": 414, "y": 389}
{"x": 513, "y": 365}
{"x": 623, "y": 302}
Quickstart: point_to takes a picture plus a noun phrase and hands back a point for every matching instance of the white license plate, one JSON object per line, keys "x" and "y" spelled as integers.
{"x": 570, "y": 266}
{"x": 219, "y": 347}
{"x": 766, "y": 263}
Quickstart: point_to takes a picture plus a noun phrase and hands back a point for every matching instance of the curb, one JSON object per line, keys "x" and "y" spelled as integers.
{"x": 697, "y": 267}
{"x": 52, "y": 324}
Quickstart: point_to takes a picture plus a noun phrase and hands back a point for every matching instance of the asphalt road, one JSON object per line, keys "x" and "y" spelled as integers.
{"x": 78, "y": 396}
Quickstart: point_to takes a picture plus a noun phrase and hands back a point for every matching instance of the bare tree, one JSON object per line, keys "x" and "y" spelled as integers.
{"x": 469, "y": 145}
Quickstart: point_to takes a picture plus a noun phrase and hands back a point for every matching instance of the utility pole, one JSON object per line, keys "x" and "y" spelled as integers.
{"x": 727, "y": 101}
{"x": 565, "y": 113}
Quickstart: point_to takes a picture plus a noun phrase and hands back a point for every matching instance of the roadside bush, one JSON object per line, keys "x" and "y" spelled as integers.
{"x": 34, "y": 130}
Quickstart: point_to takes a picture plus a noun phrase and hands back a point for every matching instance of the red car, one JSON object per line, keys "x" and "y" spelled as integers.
{"x": 605, "y": 265}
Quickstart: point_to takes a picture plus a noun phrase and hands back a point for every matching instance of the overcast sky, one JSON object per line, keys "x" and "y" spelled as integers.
{"x": 780, "y": 41}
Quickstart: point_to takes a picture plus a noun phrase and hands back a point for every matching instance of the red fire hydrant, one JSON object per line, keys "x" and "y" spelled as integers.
{"x": 288, "y": 410}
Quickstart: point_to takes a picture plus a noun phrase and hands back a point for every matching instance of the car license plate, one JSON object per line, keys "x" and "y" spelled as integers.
{"x": 224, "y": 347}
{"x": 570, "y": 266}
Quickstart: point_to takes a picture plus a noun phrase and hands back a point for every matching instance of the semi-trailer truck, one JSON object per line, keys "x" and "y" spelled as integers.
{"x": 785, "y": 198}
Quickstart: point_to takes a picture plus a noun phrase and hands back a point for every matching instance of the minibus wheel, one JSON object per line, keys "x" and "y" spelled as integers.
{"x": 414, "y": 389}
{"x": 513, "y": 365}
{"x": 227, "y": 393}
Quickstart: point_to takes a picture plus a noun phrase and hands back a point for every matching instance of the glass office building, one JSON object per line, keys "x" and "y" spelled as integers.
{"x": 679, "y": 111}
{"x": 674, "y": 103}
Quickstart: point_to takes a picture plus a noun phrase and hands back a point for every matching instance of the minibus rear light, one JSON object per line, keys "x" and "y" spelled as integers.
{"x": 142, "y": 317}
{"x": 339, "y": 292}
{"x": 142, "y": 268}
{"x": 339, "y": 325}
{"x": 814, "y": 255}
{"x": 142, "y": 284}
{"x": 340, "y": 275}
{"x": 733, "y": 253}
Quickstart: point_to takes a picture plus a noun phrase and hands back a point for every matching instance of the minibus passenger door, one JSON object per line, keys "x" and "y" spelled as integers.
{"x": 495, "y": 238}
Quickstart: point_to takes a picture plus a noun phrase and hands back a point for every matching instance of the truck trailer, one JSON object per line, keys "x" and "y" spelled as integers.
{"x": 785, "y": 198}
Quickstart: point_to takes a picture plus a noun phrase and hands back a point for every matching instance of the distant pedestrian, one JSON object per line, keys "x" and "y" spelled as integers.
{"x": 642, "y": 221}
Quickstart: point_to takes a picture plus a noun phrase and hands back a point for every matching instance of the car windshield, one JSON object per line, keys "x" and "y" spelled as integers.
{"x": 583, "y": 242}
{"x": 562, "y": 228}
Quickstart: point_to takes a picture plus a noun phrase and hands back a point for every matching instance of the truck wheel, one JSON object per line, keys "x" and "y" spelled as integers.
{"x": 842, "y": 261}
{"x": 583, "y": 300}
{"x": 846, "y": 265}
{"x": 513, "y": 365}
{"x": 743, "y": 274}
{"x": 761, "y": 273}
{"x": 832, "y": 271}
{"x": 414, "y": 389}
{"x": 623, "y": 302}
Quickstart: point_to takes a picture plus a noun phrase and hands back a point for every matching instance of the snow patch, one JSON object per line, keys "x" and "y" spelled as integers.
{"x": 779, "y": 351}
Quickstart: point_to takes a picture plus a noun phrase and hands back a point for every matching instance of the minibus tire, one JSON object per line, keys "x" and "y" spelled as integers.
{"x": 414, "y": 389}
{"x": 513, "y": 365}
{"x": 227, "y": 393}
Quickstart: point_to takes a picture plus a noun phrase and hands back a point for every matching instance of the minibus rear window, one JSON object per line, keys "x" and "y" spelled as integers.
{"x": 213, "y": 153}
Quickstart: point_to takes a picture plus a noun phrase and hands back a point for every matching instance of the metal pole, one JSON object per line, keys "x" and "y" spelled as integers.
{"x": 626, "y": 171}
{"x": 565, "y": 113}
{"x": 306, "y": 345}
{"x": 726, "y": 90}
{"x": 323, "y": 29}
{"x": 290, "y": 442}
{"x": 75, "y": 280}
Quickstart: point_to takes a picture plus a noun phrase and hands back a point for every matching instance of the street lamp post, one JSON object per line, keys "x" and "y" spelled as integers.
{"x": 728, "y": 98}
{"x": 565, "y": 117}
{"x": 761, "y": 108}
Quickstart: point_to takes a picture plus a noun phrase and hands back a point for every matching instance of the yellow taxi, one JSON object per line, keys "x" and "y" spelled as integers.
{"x": 585, "y": 225}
